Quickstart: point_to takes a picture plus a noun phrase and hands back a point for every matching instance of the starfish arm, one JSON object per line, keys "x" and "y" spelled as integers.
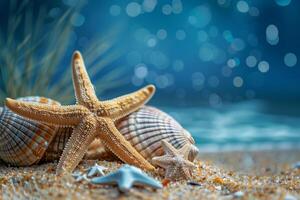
{"x": 124, "y": 105}
{"x": 116, "y": 142}
{"x": 91, "y": 172}
{"x": 111, "y": 178}
{"x": 125, "y": 182}
{"x": 84, "y": 90}
{"x": 180, "y": 170}
{"x": 185, "y": 151}
{"x": 163, "y": 161}
{"x": 188, "y": 164}
{"x": 83, "y": 134}
{"x": 142, "y": 179}
{"x": 51, "y": 114}
{"x": 168, "y": 148}
{"x": 172, "y": 173}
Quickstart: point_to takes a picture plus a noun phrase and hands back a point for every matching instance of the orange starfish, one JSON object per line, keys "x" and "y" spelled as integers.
{"x": 90, "y": 118}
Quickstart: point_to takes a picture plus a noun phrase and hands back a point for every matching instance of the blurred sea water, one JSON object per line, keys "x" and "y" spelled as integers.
{"x": 251, "y": 125}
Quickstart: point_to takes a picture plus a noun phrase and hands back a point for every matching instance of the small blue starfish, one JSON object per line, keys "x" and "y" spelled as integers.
{"x": 80, "y": 176}
{"x": 95, "y": 170}
{"x": 126, "y": 177}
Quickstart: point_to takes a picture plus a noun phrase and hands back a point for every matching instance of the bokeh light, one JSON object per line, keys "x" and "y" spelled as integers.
{"x": 251, "y": 61}
{"x": 115, "y": 10}
{"x": 158, "y": 59}
{"x": 141, "y": 70}
{"x": 290, "y": 59}
{"x": 178, "y": 65}
{"x": 254, "y": 12}
{"x": 161, "y": 34}
{"x": 200, "y": 16}
{"x": 77, "y": 19}
{"x": 149, "y": 5}
{"x": 237, "y": 44}
{"x": 142, "y": 35}
{"x": 202, "y": 36}
{"x": 228, "y": 36}
{"x": 231, "y": 63}
{"x": 215, "y": 100}
{"x": 167, "y": 9}
{"x": 238, "y": 81}
{"x": 263, "y": 66}
{"x": 272, "y": 34}
{"x": 177, "y": 6}
{"x": 151, "y": 41}
{"x": 283, "y": 2}
{"x": 133, "y": 9}
{"x": 208, "y": 52}
{"x": 242, "y": 6}
{"x": 226, "y": 71}
{"x": 198, "y": 80}
{"x": 180, "y": 34}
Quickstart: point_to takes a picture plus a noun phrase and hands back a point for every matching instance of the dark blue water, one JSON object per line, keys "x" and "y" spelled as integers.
{"x": 252, "y": 125}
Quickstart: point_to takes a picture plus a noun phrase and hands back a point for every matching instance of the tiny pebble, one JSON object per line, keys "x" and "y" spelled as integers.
{"x": 165, "y": 182}
{"x": 238, "y": 194}
{"x": 289, "y": 197}
{"x": 193, "y": 183}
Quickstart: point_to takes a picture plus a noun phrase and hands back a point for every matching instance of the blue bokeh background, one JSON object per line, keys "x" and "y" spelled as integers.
{"x": 228, "y": 70}
{"x": 196, "y": 51}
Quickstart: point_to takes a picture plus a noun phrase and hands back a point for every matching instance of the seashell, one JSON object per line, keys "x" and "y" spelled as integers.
{"x": 147, "y": 127}
{"x": 23, "y": 142}
{"x": 57, "y": 145}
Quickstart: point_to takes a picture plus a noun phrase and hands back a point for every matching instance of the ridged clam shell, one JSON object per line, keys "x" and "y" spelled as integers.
{"x": 58, "y": 144}
{"x": 145, "y": 129}
{"x": 23, "y": 142}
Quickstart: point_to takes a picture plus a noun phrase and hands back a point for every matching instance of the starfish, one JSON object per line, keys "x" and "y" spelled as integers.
{"x": 90, "y": 119}
{"x": 80, "y": 177}
{"x": 126, "y": 177}
{"x": 175, "y": 161}
{"x": 96, "y": 170}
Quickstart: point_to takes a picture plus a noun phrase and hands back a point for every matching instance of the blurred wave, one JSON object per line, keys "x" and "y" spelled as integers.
{"x": 250, "y": 125}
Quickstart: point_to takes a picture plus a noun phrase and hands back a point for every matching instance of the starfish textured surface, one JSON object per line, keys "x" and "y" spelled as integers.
{"x": 126, "y": 177}
{"x": 90, "y": 118}
{"x": 175, "y": 161}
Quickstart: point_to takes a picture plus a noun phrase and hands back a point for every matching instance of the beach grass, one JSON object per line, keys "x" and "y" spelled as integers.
{"x": 33, "y": 48}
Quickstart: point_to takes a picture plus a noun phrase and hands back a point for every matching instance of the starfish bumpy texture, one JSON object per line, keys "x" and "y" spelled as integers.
{"x": 175, "y": 162}
{"x": 126, "y": 177}
{"x": 90, "y": 118}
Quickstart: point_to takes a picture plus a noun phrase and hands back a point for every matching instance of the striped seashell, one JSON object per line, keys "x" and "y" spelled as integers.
{"x": 58, "y": 144}
{"x": 147, "y": 127}
{"x": 23, "y": 142}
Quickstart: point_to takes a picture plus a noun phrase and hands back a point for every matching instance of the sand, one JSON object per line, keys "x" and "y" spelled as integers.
{"x": 229, "y": 175}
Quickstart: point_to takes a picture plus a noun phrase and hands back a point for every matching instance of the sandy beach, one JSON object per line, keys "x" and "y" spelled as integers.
{"x": 227, "y": 175}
